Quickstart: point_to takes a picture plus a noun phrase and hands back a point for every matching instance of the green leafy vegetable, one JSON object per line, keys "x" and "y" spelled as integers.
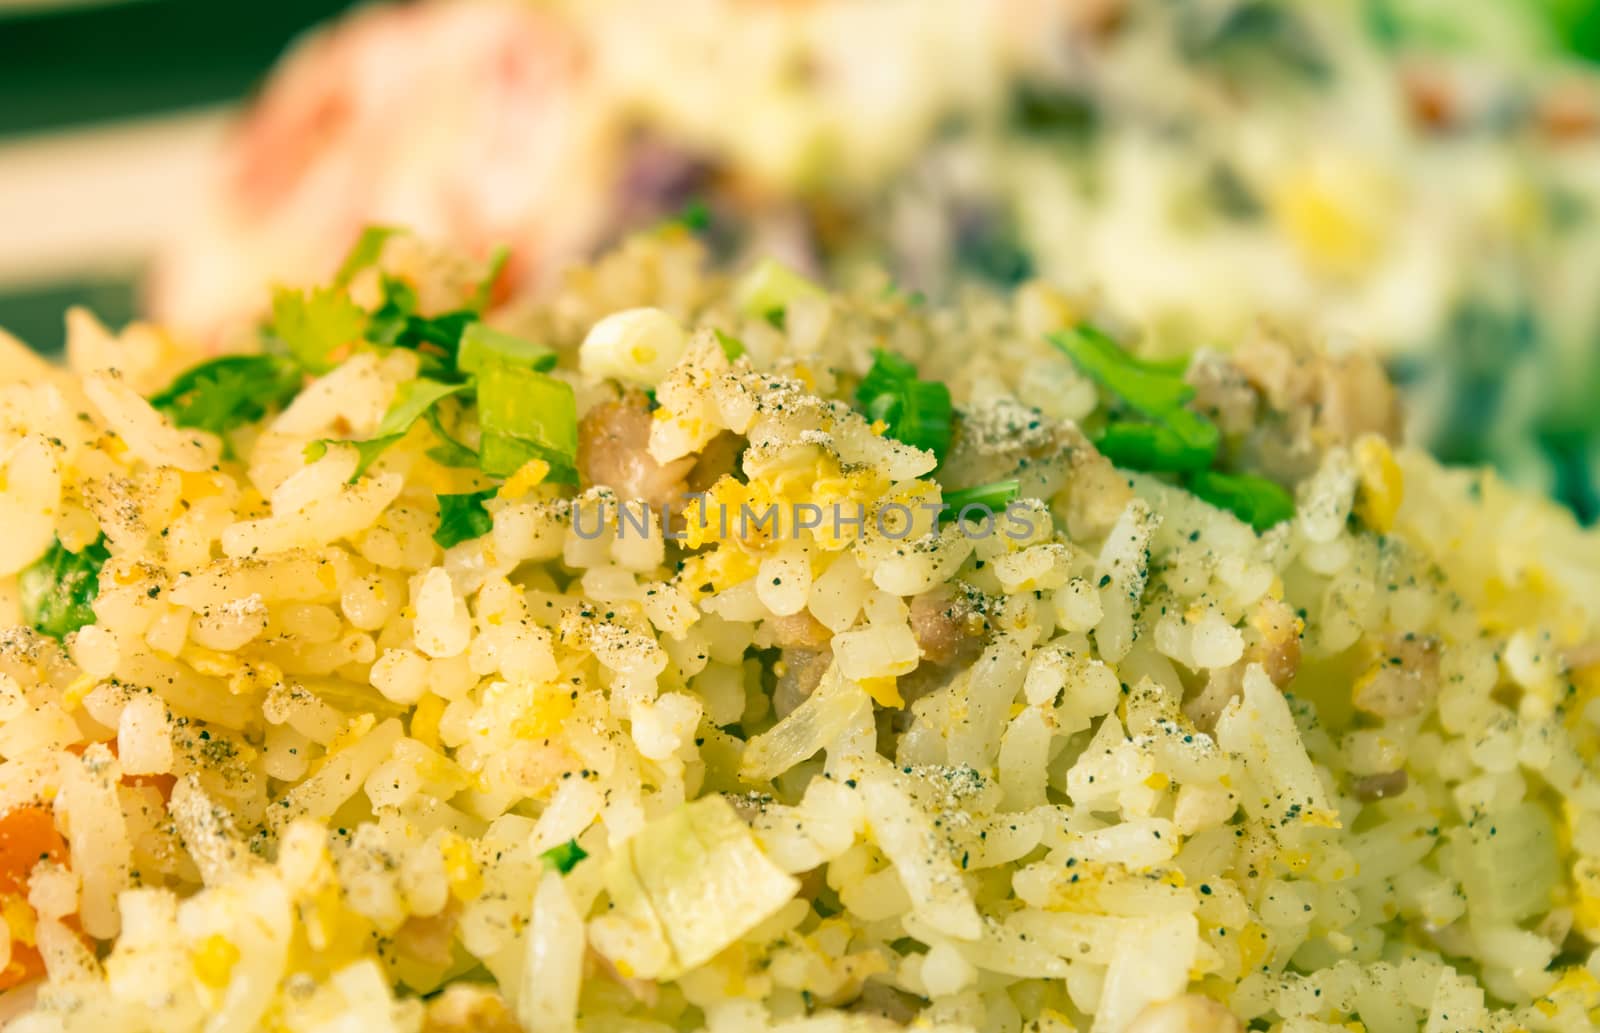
{"x": 524, "y": 415}
{"x": 315, "y": 325}
{"x": 58, "y": 590}
{"x": 731, "y": 346}
{"x": 224, "y": 393}
{"x": 480, "y": 345}
{"x": 767, "y": 290}
{"x": 365, "y": 252}
{"x": 695, "y": 217}
{"x": 411, "y": 402}
{"x": 916, "y": 412}
{"x": 565, "y": 857}
{"x": 1255, "y": 500}
{"x": 463, "y": 517}
{"x": 1150, "y": 388}
{"x": 993, "y": 497}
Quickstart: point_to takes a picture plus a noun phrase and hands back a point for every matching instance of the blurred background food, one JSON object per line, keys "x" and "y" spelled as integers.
{"x": 1418, "y": 176}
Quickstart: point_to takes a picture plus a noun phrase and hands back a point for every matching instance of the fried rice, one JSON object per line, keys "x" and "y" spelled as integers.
{"x": 409, "y": 673}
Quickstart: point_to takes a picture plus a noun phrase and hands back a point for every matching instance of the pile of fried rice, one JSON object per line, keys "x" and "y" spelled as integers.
{"x": 418, "y": 668}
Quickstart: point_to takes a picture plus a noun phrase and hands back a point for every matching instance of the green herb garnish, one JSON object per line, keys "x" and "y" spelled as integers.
{"x": 1156, "y": 391}
{"x": 224, "y": 393}
{"x": 565, "y": 857}
{"x": 463, "y": 517}
{"x": 1255, "y": 500}
{"x": 411, "y": 402}
{"x": 58, "y": 590}
{"x": 1155, "y": 446}
{"x": 916, "y": 412}
{"x": 316, "y": 325}
{"x": 525, "y": 415}
{"x": 449, "y": 451}
{"x": 993, "y": 497}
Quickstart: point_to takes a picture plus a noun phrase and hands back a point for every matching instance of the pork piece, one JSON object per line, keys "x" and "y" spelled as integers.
{"x": 949, "y": 625}
{"x": 1379, "y": 787}
{"x": 799, "y": 671}
{"x": 613, "y": 450}
{"x": 1281, "y": 407}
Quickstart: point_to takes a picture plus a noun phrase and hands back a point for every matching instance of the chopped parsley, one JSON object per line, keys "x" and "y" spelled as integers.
{"x": 59, "y": 589}
{"x": 463, "y": 517}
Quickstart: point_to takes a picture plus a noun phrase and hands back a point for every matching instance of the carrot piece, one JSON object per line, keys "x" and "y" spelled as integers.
{"x": 27, "y": 836}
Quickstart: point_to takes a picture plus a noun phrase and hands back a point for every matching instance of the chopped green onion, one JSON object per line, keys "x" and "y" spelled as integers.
{"x": 695, "y": 217}
{"x": 1151, "y": 389}
{"x": 58, "y": 590}
{"x": 731, "y": 346}
{"x": 315, "y": 325}
{"x": 1152, "y": 446}
{"x": 1255, "y": 500}
{"x": 524, "y": 415}
{"x": 411, "y": 402}
{"x": 366, "y": 251}
{"x": 463, "y": 517}
{"x": 916, "y": 412}
{"x": 768, "y": 289}
{"x": 992, "y": 497}
{"x": 565, "y": 857}
{"x": 224, "y": 393}
{"x": 481, "y": 345}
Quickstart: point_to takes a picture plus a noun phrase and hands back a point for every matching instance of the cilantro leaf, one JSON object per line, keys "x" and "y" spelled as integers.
{"x": 223, "y": 393}
{"x": 1255, "y": 500}
{"x": 449, "y": 451}
{"x": 463, "y": 517}
{"x": 565, "y": 857}
{"x": 315, "y": 325}
{"x": 58, "y": 590}
{"x": 412, "y": 401}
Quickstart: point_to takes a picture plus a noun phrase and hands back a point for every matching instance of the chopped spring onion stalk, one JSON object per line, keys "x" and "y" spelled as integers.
{"x": 686, "y": 886}
{"x": 731, "y": 346}
{"x": 316, "y": 326}
{"x": 1155, "y": 446}
{"x": 565, "y": 857}
{"x": 767, "y": 290}
{"x": 1255, "y": 500}
{"x": 59, "y": 589}
{"x": 1151, "y": 389}
{"x": 463, "y": 518}
{"x": 480, "y": 345}
{"x": 365, "y": 252}
{"x": 916, "y": 412}
{"x": 411, "y": 402}
{"x": 525, "y": 414}
{"x": 221, "y": 394}
{"x": 992, "y": 497}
